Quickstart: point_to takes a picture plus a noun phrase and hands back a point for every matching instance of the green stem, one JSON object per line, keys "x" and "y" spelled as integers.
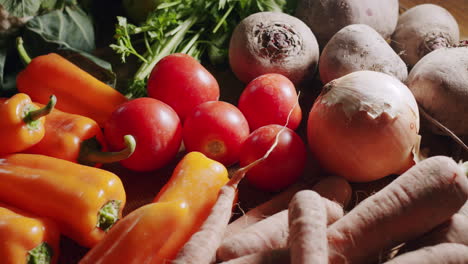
{"x": 42, "y": 254}
{"x": 34, "y": 115}
{"x": 221, "y": 21}
{"x": 22, "y": 51}
{"x": 108, "y": 215}
{"x": 191, "y": 42}
{"x": 145, "y": 69}
{"x": 90, "y": 153}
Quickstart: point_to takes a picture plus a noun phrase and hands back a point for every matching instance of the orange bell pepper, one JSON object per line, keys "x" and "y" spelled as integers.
{"x": 26, "y": 238}
{"x": 77, "y": 91}
{"x": 21, "y": 122}
{"x": 194, "y": 185}
{"x": 138, "y": 237}
{"x": 84, "y": 201}
{"x": 78, "y": 139}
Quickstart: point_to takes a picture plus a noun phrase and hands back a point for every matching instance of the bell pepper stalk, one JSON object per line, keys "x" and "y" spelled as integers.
{"x": 22, "y": 122}
{"x": 192, "y": 188}
{"x": 153, "y": 223}
{"x": 29, "y": 238}
{"x": 77, "y": 91}
{"x": 78, "y": 139}
{"x": 84, "y": 201}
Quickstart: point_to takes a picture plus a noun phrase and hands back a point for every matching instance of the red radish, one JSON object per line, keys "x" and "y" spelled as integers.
{"x": 182, "y": 82}
{"x": 308, "y": 229}
{"x": 216, "y": 129}
{"x": 364, "y": 126}
{"x": 425, "y": 196}
{"x": 283, "y": 166}
{"x": 268, "y": 99}
{"x": 155, "y": 127}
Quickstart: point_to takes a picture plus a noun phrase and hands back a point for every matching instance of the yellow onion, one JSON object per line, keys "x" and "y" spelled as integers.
{"x": 364, "y": 126}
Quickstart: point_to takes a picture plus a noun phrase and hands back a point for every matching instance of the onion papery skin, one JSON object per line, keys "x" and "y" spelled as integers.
{"x": 364, "y": 126}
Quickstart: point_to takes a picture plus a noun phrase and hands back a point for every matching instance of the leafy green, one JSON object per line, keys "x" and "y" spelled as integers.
{"x": 69, "y": 28}
{"x": 21, "y": 8}
{"x": 195, "y": 27}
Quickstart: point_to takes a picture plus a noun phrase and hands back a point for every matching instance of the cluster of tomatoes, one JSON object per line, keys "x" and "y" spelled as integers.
{"x": 183, "y": 108}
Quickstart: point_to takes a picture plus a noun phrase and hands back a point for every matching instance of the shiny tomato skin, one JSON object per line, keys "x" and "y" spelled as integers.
{"x": 182, "y": 82}
{"x": 284, "y": 165}
{"x": 156, "y": 128}
{"x": 268, "y": 99}
{"x": 217, "y": 129}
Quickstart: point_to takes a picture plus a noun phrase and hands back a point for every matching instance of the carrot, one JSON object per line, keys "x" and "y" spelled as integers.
{"x": 333, "y": 187}
{"x": 423, "y": 197}
{"x": 201, "y": 248}
{"x": 464, "y": 210}
{"x": 269, "y": 233}
{"x": 265, "y": 257}
{"x": 446, "y": 253}
{"x": 454, "y": 230}
{"x": 308, "y": 229}
{"x": 277, "y": 204}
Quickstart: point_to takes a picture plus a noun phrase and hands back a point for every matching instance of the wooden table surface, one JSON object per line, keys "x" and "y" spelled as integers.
{"x": 458, "y": 8}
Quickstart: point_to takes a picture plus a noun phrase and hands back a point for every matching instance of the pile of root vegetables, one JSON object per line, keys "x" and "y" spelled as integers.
{"x": 387, "y": 77}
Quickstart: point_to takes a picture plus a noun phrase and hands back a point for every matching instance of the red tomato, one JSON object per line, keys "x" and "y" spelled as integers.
{"x": 182, "y": 82}
{"x": 217, "y": 129}
{"x": 268, "y": 99}
{"x": 283, "y": 166}
{"x": 156, "y": 128}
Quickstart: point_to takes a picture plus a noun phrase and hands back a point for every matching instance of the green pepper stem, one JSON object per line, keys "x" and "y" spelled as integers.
{"x": 108, "y": 215}
{"x": 41, "y": 254}
{"x": 90, "y": 155}
{"x": 22, "y": 51}
{"x": 34, "y": 115}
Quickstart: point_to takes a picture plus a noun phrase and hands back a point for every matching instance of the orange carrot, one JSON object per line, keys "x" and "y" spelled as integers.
{"x": 267, "y": 234}
{"x": 308, "y": 229}
{"x": 423, "y": 197}
{"x": 446, "y": 253}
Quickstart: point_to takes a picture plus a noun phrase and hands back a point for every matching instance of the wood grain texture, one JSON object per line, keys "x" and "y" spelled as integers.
{"x": 458, "y": 8}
